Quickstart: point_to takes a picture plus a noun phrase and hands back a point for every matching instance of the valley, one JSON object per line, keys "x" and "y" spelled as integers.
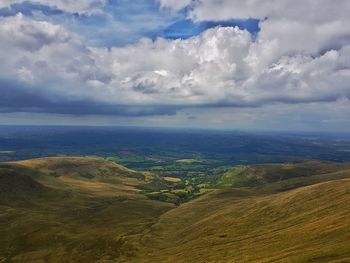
{"x": 174, "y": 131}
{"x": 84, "y": 209}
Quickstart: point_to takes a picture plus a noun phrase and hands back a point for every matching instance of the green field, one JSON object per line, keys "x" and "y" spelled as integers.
{"x": 188, "y": 161}
{"x": 7, "y": 152}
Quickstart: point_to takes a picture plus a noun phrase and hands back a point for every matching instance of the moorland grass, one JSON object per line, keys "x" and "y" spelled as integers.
{"x": 72, "y": 209}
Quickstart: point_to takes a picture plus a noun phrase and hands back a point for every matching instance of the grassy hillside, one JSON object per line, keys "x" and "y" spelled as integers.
{"x": 16, "y": 188}
{"x": 289, "y": 175}
{"x": 72, "y": 210}
{"x": 308, "y": 224}
{"x": 92, "y": 210}
{"x": 266, "y": 213}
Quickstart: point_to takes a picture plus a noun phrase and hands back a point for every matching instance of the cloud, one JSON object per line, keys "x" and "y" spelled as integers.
{"x": 305, "y": 27}
{"x": 174, "y": 4}
{"x": 291, "y": 61}
{"x": 15, "y": 97}
{"x": 307, "y": 10}
{"x": 80, "y": 7}
{"x": 42, "y": 54}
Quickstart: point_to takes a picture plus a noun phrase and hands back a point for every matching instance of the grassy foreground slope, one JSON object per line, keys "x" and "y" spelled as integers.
{"x": 268, "y": 213}
{"x": 92, "y": 210}
{"x": 72, "y": 210}
{"x": 308, "y": 224}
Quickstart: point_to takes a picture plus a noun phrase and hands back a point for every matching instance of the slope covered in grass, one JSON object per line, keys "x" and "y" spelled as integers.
{"x": 91, "y": 210}
{"x": 17, "y": 188}
{"x": 308, "y": 224}
{"x": 72, "y": 210}
{"x": 284, "y": 176}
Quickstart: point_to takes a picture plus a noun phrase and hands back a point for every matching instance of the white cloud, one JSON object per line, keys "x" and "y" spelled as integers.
{"x": 174, "y": 4}
{"x": 45, "y": 56}
{"x": 70, "y": 6}
{"x": 290, "y": 62}
{"x": 305, "y": 10}
{"x": 306, "y": 26}
{"x": 195, "y": 71}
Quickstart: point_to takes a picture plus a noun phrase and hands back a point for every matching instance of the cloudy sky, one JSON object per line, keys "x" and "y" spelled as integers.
{"x": 230, "y": 64}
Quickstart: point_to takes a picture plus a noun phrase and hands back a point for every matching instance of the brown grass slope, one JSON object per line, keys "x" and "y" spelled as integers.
{"x": 90, "y": 210}
{"x": 86, "y": 175}
{"x": 308, "y": 224}
{"x": 282, "y": 177}
{"x": 72, "y": 210}
{"x": 17, "y": 189}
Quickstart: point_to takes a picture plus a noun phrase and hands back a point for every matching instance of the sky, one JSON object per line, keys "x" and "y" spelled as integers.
{"x": 229, "y": 64}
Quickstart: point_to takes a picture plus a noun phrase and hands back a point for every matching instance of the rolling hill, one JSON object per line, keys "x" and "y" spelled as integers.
{"x": 91, "y": 210}
{"x": 308, "y": 224}
{"x": 72, "y": 210}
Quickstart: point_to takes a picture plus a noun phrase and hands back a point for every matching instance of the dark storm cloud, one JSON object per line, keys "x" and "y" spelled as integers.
{"x": 16, "y": 97}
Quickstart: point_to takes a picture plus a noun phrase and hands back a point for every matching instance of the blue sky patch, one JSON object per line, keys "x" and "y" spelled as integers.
{"x": 187, "y": 28}
{"x": 124, "y": 22}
